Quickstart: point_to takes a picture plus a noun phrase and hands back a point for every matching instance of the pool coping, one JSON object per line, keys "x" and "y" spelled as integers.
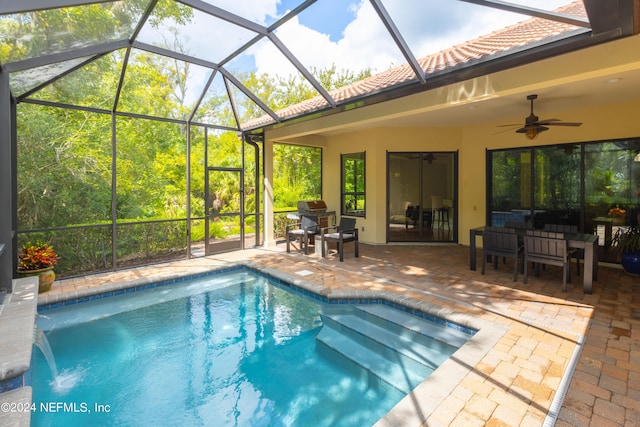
{"x": 415, "y": 407}
{"x": 17, "y": 320}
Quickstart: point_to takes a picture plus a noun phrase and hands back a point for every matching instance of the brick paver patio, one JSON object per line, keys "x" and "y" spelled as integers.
{"x": 516, "y": 382}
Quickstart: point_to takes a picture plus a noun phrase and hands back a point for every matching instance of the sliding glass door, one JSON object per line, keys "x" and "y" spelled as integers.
{"x": 421, "y": 190}
{"x": 594, "y": 186}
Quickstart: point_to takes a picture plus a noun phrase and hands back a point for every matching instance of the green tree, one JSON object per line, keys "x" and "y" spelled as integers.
{"x": 297, "y": 170}
{"x": 64, "y": 167}
{"x": 65, "y": 155}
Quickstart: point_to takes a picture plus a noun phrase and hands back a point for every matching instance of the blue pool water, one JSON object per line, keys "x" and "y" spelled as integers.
{"x": 225, "y": 350}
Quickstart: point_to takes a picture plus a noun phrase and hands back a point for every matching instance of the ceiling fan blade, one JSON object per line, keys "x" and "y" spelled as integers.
{"x": 562, "y": 124}
{"x": 504, "y": 130}
{"x": 511, "y": 125}
{"x": 549, "y": 121}
{"x": 533, "y": 125}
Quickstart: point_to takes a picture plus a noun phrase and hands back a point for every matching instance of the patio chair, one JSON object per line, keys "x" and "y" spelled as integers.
{"x": 541, "y": 247}
{"x": 566, "y": 228}
{"x": 345, "y": 232}
{"x": 304, "y": 231}
{"x": 501, "y": 242}
{"x": 519, "y": 225}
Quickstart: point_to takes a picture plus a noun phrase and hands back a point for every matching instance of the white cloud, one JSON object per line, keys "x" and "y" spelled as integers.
{"x": 429, "y": 27}
{"x": 365, "y": 43}
{"x": 367, "y": 36}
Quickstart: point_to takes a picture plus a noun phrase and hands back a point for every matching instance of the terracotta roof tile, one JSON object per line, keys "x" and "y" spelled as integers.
{"x": 515, "y": 36}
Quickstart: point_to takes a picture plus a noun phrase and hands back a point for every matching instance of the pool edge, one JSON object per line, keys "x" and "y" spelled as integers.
{"x": 415, "y": 408}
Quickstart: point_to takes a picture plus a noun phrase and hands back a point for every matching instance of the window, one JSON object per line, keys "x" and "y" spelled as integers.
{"x": 352, "y": 184}
{"x": 594, "y": 185}
{"x": 510, "y": 189}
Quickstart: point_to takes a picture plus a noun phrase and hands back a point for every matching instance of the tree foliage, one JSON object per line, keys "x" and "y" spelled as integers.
{"x": 69, "y": 159}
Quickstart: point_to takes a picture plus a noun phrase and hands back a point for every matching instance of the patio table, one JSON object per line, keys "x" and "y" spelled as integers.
{"x": 586, "y": 242}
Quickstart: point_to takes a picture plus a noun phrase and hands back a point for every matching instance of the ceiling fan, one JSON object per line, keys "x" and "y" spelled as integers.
{"x": 533, "y": 125}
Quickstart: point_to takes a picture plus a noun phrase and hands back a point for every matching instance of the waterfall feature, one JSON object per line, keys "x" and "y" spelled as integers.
{"x": 40, "y": 340}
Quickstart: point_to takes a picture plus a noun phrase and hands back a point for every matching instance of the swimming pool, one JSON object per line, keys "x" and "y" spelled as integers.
{"x": 228, "y": 349}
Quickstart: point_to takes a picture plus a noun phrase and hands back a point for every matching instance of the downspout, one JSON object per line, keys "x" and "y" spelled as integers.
{"x": 256, "y": 172}
{"x": 188, "y": 189}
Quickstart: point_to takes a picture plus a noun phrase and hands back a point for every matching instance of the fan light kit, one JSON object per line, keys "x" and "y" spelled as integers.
{"x": 533, "y": 126}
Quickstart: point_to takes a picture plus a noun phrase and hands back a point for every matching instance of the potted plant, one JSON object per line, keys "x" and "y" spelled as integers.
{"x": 617, "y": 215}
{"x": 627, "y": 241}
{"x": 38, "y": 259}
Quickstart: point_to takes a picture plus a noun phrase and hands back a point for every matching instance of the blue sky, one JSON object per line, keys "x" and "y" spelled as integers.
{"x": 344, "y": 33}
{"x": 348, "y": 33}
{"x": 326, "y": 18}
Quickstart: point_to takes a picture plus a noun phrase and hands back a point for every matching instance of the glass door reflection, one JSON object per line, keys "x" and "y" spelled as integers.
{"x": 421, "y": 188}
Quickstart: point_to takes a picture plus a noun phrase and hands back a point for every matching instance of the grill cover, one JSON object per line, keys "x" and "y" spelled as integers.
{"x": 317, "y": 207}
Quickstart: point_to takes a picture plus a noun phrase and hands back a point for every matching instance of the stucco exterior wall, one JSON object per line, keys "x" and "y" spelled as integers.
{"x": 376, "y": 142}
{"x": 471, "y": 142}
{"x": 379, "y": 128}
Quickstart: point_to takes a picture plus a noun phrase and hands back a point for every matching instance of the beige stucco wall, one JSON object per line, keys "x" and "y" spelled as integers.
{"x": 360, "y": 129}
{"x": 608, "y": 122}
{"x": 376, "y": 142}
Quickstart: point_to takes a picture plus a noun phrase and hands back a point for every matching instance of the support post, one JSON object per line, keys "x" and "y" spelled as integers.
{"x": 7, "y": 184}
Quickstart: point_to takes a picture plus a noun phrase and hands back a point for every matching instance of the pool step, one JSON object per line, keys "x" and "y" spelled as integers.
{"x": 381, "y": 313}
{"x": 390, "y": 346}
{"x": 390, "y": 339}
{"x": 374, "y": 364}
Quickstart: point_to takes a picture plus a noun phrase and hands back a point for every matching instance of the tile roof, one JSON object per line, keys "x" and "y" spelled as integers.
{"x": 528, "y": 32}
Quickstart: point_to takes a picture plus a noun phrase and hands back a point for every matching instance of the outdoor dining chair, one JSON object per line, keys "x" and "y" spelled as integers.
{"x": 566, "y": 228}
{"x": 501, "y": 242}
{"x": 345, "y": 232}
{"x": 520, "y": 225}
{"x": 541, "y": 247}
{"x": 304, "y": 231}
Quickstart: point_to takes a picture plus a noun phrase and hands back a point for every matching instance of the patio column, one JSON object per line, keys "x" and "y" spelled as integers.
{"x": 6, "y": 184}
{"x": 269, "y": 235}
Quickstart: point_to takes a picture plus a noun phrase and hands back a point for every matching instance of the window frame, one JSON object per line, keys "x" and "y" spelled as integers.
{"x": 347, "y": 197}
{"x": 605, "y": 194}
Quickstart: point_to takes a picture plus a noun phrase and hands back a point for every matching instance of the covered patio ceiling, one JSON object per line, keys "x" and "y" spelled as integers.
{"x": 610, "y": 75}
{"x": 222, "y": 42}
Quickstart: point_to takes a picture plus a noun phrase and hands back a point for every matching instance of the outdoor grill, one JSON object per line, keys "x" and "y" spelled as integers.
{"x": 317, "y": 208}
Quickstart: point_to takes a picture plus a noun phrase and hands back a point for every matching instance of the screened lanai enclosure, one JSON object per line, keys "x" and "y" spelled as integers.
{"x": 133, "y": 130}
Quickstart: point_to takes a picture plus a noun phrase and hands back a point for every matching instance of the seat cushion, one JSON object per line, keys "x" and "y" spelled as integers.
{"x": 336, "y": 236}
